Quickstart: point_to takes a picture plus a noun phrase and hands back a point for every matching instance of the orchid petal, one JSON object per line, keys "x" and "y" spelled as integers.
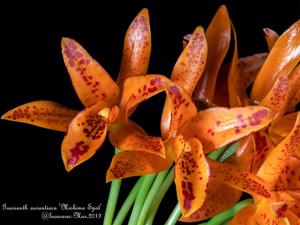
{"x": 289, "y": 176}
{"x": 238, "y": 179}
{"x": 46, "y": 114}
{"x": 132, "y": 163}
{"x": 221, "y": 97}
{"x": 296, "y": 206}
{"x": 279, "y": 157}
{"x": 128, "y": 136}
{"x": 283, "y": 57}
{"x": 86, "y": 134}
{"x": 137, "y": 89}
{"x": 137, "y": 48}
{"x": 263, "y": 146}
{"x": 249, "y": 67}
{"x": 218, "y": 40}
{"x": 191, "y": 63}
{"x": 219, "y": 198}
{"x": 271, "y": 213}
{"x": 294, "y": 89}
{"x": 191, "y": 177}
{"x": 187, "y": 71}
{"x": 91, "y": 82}
{"x": 216, "y": 127}
{"x": 277, "y": 98}
{"x": 271, "y": 37}
{"x": 247, "y": 212}
{"x": 284, "y": 125}
{"x": 236, "y": 90}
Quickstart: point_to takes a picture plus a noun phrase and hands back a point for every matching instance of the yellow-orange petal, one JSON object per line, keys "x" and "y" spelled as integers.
{"x": 137, "y": 89}
{"x": 277, "y": 98}
{"x": 46, "y": 114}
{"x": 279, "y": 157}
{"x": 127, "y": 136}
{"x": 191, "y": 63}
{"x": 294, "y": 89}
{"x": 236, "y": 89}
{"x": 132, "y": 163}
{"x": 85, "y": 135}
{"x": 271, "y": 213}
{"x": 262, "y": 147}
{"x": 249, "y": 67}
{"x": 137, "y": 48}
{"x": 191, "y": 177}
{"x": 238, "y": 179}
{"x": 218, "y": 40}
{"x": 90, "y": 80}
{"x": 187, "y": 71}
{"x": 271, "y": 37}
{"x": 245, "y": 216}
{"x": 284, "y": 125}
{"x": 219, "y": 198}
{"x": 283, "y": 57}
{"x": 289, "y": 176}
{"x": 216, "y": 127}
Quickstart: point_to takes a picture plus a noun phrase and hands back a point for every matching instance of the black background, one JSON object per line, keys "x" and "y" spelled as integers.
{"x": 32, "y": 68}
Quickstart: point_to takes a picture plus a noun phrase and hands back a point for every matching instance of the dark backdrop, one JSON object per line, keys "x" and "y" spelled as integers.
{"x": 32, "y": 68}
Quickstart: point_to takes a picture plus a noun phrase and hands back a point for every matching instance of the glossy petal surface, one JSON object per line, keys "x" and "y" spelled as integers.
{"x": 191, "y": 177}
{"x": 46, "y": 114}
{"x": 137, "y": 48}
{"x": 132, "y": 163}
{"x": 283, "y": 57}
{"x": 129, "y": 137}
{"x": 86, "y": 134}
{"x": 279, "y": 158}
{"x": 216, "y": 127}
{"x": 218, "y": 40}
{"x": 91, "y": 82}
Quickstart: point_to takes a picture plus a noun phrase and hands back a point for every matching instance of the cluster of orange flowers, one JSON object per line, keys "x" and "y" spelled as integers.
{"x": 267, "y": 160}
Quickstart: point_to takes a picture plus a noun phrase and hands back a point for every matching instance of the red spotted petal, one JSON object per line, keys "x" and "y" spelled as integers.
{"x": 216, "y": 127}
{"x": 277, "y": 97}
{"x": 91, "y": 82}
{"x": 280, "y": 156}
{"x": 132, "y": 163}
{"x": 238, "y": 179}
{"x": 236, "y": 90}
{"x": 284, "y": 56}
{"x": 289, "y": 176}
{"x": 138, "y": 89}
{"x": 271, "y": 213}
{"x": 249, "y": 67}
{"x": 219, "y": 198}
{"x": 46, "y": 114}
{"x": 271, "y": 37}
{"x": 86, "y": 134}
{"x": 191, "y": 177}
{"x": 137, "y": 48}
{"x": 187, "y": 71}
{"x": 263, "y": 146}
{"x": 294, "y": 89}
{"x": 128, "y": 136}
{"x": 245, "y": 216}
{"x": 218, "y": 40}
{"x": 191, "y": 62}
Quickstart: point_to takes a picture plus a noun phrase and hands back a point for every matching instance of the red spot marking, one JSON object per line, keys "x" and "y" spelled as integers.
{"x": 156, "y": 82}
{"x": 218, "y": 123}
{"x": 256, "y": 117}
{"x": 211, "y": 132}
{"x": 280, "y": 212}
{"x": 79, "y": 150}
{"x": 150, "y": 90}
{"x": 187, "y": 191}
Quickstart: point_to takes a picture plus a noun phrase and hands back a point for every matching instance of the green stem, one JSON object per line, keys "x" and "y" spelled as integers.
{"x": 214, "y": 155}
{"x": 227, "y": 214}
{"x": 229, "y": 152}
{"x": 159, "y": 196}
{"x": 154, "y": 189}
{"x": 128, "y": 203}
{"x": 176, "y": 213}
{"x": 140, "y": 198}
{"x": 112, "y": 199}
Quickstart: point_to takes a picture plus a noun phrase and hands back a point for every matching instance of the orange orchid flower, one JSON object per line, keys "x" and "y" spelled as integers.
{"x": 86, "y": 130}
